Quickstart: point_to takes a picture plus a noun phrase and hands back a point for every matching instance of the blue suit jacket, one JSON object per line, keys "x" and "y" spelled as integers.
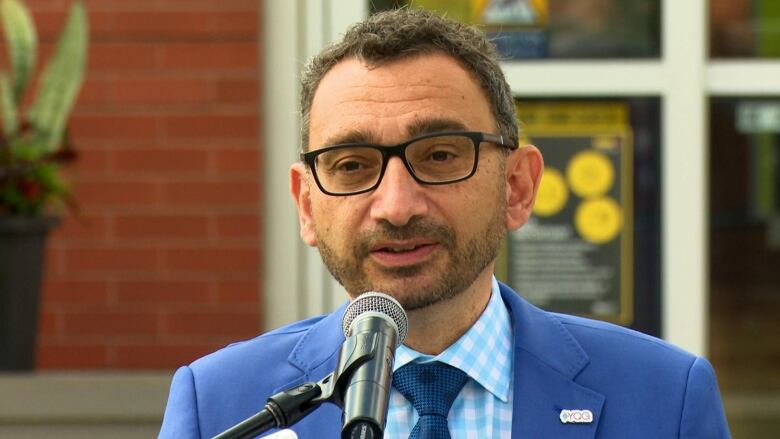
{"x": 635, "y": 385}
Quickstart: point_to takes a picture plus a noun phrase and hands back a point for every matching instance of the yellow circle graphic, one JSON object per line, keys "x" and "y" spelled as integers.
{"x": 552, "y": 194}
{"x": 598, "y": 220}
{"x": 590, "y": 174}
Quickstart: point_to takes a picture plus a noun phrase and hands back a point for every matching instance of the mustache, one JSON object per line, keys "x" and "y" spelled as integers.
{"x": 415, "y": 228}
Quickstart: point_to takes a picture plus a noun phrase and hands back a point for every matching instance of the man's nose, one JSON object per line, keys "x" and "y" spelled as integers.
{"x": 398, "y": 198}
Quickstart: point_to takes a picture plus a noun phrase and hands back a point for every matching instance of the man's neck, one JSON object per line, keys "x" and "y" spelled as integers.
{"x": 435, "y": 328}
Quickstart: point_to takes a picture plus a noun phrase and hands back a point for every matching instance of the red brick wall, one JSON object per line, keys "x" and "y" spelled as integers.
{"x": 164, "y": 264}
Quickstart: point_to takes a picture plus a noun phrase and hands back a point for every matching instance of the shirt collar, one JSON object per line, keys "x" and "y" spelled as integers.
{"x": 483, "y": 352}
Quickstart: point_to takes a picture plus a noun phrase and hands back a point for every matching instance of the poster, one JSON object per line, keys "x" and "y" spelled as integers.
{"x": 575, "y": 253}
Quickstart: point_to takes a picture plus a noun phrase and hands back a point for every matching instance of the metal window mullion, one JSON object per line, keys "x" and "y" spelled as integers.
{"x": 585, "y": 78}
{"x": 684, "y": 174}
{"x": 743, "y": 77}
{"x": 281, "y": 250}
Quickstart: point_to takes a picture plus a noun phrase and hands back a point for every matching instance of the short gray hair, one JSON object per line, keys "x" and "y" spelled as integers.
{"x": 395, "y": 34}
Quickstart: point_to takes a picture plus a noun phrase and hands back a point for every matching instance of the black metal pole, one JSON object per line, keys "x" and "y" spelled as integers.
{"x": 250, "y": 426}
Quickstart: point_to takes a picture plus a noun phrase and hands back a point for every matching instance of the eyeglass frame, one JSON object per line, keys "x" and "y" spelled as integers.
{"x": 399, "y": 150}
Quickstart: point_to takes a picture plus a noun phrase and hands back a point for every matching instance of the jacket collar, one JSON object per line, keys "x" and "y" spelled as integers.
{"x": 316, "y": 353}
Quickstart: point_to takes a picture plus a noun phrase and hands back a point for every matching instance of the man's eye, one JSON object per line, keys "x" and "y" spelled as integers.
{"x": 441, "y": 156}
{"x": 349, "y": 166}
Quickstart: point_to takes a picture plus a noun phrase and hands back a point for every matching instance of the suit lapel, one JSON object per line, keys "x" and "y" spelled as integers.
{"x": 547, "y": 360}
{"x": 315, "y": 356}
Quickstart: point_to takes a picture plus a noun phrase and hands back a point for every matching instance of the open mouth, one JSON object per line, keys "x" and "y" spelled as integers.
{"x": 395, "y": 254}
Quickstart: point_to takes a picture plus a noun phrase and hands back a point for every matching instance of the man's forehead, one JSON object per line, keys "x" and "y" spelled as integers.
{"x": 353, "y": 78}
{"x": 413, "y": 95}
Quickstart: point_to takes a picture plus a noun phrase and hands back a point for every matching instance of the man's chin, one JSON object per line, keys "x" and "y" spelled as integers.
{"x": 414, "y": 293}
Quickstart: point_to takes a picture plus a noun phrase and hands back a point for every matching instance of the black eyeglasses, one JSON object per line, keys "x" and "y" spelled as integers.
{"x": 439, "y": 158}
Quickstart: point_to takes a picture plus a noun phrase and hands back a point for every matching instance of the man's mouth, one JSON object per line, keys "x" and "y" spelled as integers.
{"x": 400, "y": 249}
{"x": 400, "y": 254}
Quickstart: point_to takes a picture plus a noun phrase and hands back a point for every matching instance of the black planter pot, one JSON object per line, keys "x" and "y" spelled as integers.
{"x": 22, "y": 244}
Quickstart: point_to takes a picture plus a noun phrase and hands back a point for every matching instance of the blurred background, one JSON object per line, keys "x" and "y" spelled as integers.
{"x": 185, "y": 238}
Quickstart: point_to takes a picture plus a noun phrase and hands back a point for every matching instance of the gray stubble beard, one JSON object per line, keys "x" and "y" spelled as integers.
{"x": 464, "y": 267}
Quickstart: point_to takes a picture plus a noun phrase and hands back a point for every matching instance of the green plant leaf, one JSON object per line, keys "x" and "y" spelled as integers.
{"x": 22, "y": 41}
{"x": 22, "y": 150}
{"x": 8, "y": 108}
{"x": 61, "y": 80}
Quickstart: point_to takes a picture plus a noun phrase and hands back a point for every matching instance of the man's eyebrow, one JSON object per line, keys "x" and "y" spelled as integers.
{"x": 429, "y": 126}
{"x": 418, "y": 128}
{"x": 352, "y": 136}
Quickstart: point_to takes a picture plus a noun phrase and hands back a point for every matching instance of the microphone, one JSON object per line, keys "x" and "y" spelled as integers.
{"x": 376, "y": 322}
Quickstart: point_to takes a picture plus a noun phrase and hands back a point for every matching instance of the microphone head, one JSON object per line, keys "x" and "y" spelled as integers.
{"x": 376, "y": 304}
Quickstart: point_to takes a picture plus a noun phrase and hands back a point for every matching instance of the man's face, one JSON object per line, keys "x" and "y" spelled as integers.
{"x": 419, "y": 243}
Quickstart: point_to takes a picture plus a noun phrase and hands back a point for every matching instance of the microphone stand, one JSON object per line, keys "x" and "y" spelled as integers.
{"x": 290, "y": 406}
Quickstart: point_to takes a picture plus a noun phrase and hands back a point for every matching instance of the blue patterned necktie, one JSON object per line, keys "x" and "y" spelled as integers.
{"x": 431, "y": 388}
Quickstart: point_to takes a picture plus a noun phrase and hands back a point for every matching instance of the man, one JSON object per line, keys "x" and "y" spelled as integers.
{"x": 410, "y": 177}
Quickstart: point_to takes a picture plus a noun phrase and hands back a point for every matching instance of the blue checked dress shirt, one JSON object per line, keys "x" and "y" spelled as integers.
{"x": 483, "y": 409}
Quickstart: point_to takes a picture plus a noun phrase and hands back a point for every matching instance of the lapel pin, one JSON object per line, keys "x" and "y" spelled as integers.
{"x": 576, "y": 416}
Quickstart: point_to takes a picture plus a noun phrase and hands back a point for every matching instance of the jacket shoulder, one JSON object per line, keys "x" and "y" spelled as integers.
{"x": 271, "y": 347}
{"x": 639, "y": 373}
{"x": 606, "y": 340}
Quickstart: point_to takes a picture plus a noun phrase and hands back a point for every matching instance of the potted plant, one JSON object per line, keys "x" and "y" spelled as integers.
{"x": 33, "y": 145}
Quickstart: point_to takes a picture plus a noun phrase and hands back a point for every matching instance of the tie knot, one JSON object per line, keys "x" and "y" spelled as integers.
{"x": 430, "y": 387}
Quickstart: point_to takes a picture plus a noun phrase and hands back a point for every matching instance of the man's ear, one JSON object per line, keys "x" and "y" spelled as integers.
{"x": 524, "y": 168}
{"x": 300, "y": 191}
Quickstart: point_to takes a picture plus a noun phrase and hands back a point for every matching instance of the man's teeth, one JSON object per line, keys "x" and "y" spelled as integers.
{"x": 400, "y": 249}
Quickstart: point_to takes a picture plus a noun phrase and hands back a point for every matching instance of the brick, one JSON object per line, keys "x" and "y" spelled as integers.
{"x": 239, "y": 291}
{"x": 90, "y": 356}
{"x": 49, "y": 23}
{"x": 210, "y": 56}
{"x": 161, "y": 226}
{"x": 121, "y": 5}
{"x": 83, "y": 226}
{"x": 89, "y": 161}
{"x": 113, "y": 259}
{"x": 121, "y": 56}
{"x": 162, "y": 292}
{"x": 220, "y": 193}
{"x": 48, "y": 324}
{"x": 213, "y": 259}
{"x": 110, "y": 323}
{"x": 62, "y": 291}
{"x": 159, "y": 160}
{"x": 113, "y": 126}
{"x": 231, "y": 324}
{"x": 238, "y": 226}
{"x": 237, "y": 160}
{"x": 108, "y": 193}
{"x": 101, "y": 24}
{"x": 46, "y": 5}
{"x": 238, "y": 91}
{"x": 209, "y": 5}
{"x": 154, "y": 91}
{"x": 243, "y": 24}
{"x": 53, "y": 257}
{"x": 161, "y": 24}
{"x": 164, "y": 356}
{"x": 221, "y": 126}
{"x": 95, "y": 91}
